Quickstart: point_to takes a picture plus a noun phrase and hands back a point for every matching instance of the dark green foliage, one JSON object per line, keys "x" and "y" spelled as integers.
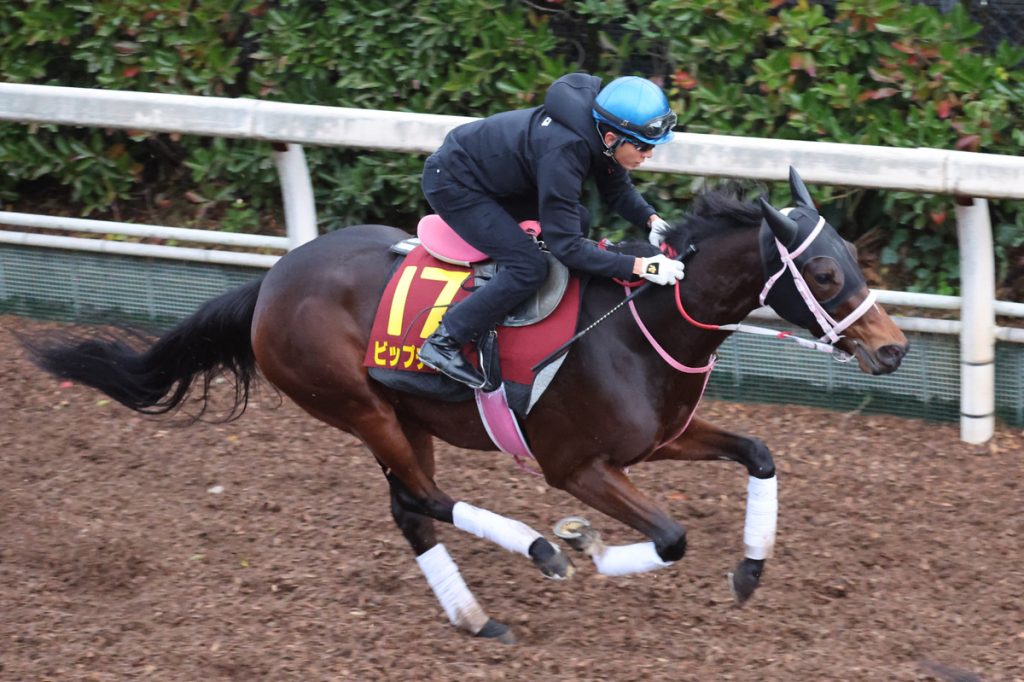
{"x": 877, "y": 72}
{"x": 883, "y": 72}
{"x": 445, "y": 56}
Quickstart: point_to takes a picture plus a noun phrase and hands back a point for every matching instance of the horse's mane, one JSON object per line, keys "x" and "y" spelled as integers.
{"x": 713, "y": 210}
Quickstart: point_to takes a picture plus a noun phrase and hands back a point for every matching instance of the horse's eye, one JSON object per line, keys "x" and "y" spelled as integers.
{"x": 824, "y": 278}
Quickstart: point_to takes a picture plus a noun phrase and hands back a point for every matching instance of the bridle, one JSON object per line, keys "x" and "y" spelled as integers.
{"x": 832, "y": 329}
{"x": 789, "y": 263}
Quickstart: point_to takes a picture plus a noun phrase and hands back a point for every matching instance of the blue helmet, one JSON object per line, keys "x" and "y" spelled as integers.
{"x": 636, "y": 107}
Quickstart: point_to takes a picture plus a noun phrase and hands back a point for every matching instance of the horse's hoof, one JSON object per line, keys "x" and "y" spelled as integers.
{"x": 577, "y": 533}
{"x": 492, "y": 629}
{"x": 745, "y": 580}
{"x": 551, "y": 562}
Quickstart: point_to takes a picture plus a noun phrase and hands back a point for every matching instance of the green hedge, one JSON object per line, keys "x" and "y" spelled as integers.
{"x": 870, "y": 72}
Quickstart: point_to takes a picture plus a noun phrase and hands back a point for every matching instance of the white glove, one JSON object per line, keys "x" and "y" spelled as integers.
{"x": 659, "y": 229}
{"x": 661, "y": 269}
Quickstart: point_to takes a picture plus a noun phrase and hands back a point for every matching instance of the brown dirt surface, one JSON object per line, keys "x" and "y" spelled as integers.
{"x": 899, "y": 554}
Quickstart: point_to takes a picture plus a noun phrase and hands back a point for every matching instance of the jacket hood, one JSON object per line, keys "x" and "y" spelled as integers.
{"x": 570, "y": 101}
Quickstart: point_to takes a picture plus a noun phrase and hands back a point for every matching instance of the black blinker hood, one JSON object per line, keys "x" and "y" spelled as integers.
{"x": 784, "y": 298}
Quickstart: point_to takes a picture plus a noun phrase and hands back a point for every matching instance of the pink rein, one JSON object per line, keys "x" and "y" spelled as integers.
{"x": 672, "y": 362}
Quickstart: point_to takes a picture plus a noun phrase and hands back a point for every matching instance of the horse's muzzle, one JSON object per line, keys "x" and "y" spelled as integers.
{"x": 884, "y": 360}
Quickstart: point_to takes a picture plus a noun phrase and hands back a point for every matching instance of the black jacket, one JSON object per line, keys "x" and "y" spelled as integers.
{"x": 540, "y": 158}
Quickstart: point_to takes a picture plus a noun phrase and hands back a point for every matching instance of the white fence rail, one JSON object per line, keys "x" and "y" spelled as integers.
{"x": 971, "y": 177}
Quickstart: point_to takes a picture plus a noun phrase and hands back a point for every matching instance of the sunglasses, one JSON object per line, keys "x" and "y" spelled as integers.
{"x": 640, "y": 146}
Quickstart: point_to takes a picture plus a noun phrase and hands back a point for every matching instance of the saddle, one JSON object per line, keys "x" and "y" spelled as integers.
{"x": 438, "y": 269}
{"x": 433, "y": 274}
{"x": 442, "y": 242}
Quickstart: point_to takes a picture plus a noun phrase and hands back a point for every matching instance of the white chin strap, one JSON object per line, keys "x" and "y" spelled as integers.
{"x": 831, "y": 328}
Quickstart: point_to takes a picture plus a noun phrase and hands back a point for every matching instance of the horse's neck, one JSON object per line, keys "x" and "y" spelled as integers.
{"x": 722, "y": 284}
{"x": 724, "y": 278}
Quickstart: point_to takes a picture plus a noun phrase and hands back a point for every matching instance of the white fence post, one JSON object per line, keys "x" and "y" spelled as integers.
{"x": 977, "y": 314}
{"x": 297, "y": 193}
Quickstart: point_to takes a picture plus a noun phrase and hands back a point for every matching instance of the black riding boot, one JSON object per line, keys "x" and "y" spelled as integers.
{"x": 443, "y": 353}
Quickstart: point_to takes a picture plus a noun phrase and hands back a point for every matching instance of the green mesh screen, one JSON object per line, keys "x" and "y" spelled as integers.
{"x": 757, "y": 368}
{"x": 86, "y": 287}
{"x": 75, "y": 286}
{"x": 1010, "y": 383}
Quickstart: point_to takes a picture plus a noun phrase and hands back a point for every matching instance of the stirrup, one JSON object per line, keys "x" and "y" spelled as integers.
{"x": 450, "y": 366}
{"x": 487, "y": 354}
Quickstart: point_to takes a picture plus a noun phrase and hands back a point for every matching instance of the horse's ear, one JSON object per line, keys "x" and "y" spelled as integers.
{"x": 798, "y": 190}
{"x": 783, "y": 227}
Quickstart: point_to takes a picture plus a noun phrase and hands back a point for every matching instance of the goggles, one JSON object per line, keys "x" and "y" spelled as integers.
{"x": 655, "y": 128}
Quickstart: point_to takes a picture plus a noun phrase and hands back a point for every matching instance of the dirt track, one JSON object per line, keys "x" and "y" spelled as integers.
{"x": 899, "y": 557}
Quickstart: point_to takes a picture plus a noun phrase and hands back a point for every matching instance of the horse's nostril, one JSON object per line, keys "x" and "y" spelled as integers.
{"x": 892, "y": 354}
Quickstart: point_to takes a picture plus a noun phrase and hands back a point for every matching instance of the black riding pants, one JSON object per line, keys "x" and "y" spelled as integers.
{"x": 489, "y": 226}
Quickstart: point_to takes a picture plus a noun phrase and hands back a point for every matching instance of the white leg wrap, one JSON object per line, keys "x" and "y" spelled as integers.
{"x": 625, "y": 559}
{"x": 762, "y": 516}
{"x": 450, "y": 589}
{"x": 514, "y": 536}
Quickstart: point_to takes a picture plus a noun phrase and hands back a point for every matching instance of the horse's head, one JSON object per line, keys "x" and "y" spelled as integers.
{"x": 813, "y": 281}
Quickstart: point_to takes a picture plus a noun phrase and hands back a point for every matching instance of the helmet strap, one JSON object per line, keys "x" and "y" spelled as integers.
{"x": 609, "y": 150}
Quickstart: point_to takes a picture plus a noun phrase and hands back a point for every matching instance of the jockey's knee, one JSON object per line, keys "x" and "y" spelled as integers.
{"x": 530, "y": 272}
{"x": 537, "y": 271}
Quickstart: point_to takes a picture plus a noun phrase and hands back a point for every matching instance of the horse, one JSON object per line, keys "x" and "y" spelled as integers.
{"x": 304, "y": 327}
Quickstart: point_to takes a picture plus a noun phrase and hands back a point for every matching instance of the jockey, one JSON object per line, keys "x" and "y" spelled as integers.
{"x": 530, "y": 164}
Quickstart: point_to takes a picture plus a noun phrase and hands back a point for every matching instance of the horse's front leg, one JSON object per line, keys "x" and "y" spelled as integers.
{"x": 703, "y": 441}
{"x": 606, "y": 488}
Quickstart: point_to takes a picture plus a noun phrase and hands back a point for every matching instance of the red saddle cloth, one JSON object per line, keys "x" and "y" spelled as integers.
{"x": 416, "y": 298}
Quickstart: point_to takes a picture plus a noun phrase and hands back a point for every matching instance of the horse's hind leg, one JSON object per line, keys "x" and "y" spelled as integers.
{"x": 440, "y": 570}
{"x": 513, "y": 535}
{"x": 328, "y": 381}
{"x": 416, "y": 500}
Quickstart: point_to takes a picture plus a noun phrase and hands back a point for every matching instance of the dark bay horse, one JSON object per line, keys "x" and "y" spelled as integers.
{"x": 625, "y": 394}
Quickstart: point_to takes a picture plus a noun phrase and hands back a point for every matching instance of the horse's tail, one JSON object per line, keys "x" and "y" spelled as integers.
{"x": 157, "y": 380}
